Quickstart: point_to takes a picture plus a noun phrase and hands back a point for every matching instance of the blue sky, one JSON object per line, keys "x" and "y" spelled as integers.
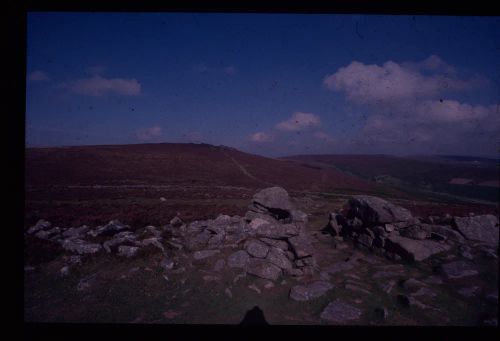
{"x": 271, "y": 84}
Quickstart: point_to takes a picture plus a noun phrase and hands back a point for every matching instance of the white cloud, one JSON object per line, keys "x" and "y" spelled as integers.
{"x": 452, "y": 111}
{"x": 149, "y": 134}
{"x": 299, "y": 121}
{"x": 261, "y": 137}
{"x": 366, "y": 84}
{"x": 38, "y": 76}
{"x": 99, "y": 86}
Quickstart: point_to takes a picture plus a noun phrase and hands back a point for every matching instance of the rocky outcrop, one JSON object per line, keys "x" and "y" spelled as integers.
{"x": 414, "y": 250}
{"x": 340, "y": 312}
{"x": 373, "y": 210}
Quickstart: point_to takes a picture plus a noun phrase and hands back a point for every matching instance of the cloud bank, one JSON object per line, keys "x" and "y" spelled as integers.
{"x": 149, "y": 134}
{"x": 299, "y": 121}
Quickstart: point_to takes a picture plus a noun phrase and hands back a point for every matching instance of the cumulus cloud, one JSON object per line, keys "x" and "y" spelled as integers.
{"x": 299, "y": 121}
{"x": 99, "y": 86}
{"x": 367, "y": 84}
{"x": 407, "y": 110}
{"x": 261, "y": 137}
{"x": 38, "y": 76}
{"x": 149, "y": 134}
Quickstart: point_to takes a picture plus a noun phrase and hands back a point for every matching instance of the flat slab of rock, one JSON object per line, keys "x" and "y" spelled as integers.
{"x": 127, "y": 251}
{"x": 263, "y": 269}
{"x": 373, "y": 210}
{"x": 310, "y": 291}
{"x": 458, "y": 269}
{"x": 339, "y": 311}
{"x": 198, "y": 255}
{"x": 238, "y": 259}
{"x": 276, "y": 231}
{"x": 338, "y": 267}
{"x": 415, "y": 250}
{"x": 481, "y": 227}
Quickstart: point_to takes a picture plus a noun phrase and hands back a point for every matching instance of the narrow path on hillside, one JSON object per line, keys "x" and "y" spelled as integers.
{"x": 245, "y": 171}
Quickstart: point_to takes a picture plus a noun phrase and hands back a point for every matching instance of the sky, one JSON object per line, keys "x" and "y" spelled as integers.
{"x": 268, "y": 84}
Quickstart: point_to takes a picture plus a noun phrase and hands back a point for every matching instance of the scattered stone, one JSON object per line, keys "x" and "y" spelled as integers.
{"x": 40, "y": 225}
{"x": 167, "y": 263}
{"x": 340, "y": 312}
{"x": 48, "y": 234}
{"x": 365, "y": 240}
{"x": 310, "y": 291}
{"x": 127, "y": 251}
{"x": 155, "y": 241}
{"x": 118, "y": 239}
{"x": 29, "y": 268}
{"x": 424, "y": 291}
{"x": 269, "y": 285}
{"x": 263, "y": 269}
{"x": 199, "y": 255}
{"x": 254, "y": 287}
{"x": 238, "y": 277}
{"x": 433, "y": 280}
{"x": 458, "y": 269}
{"x": 299, "y": 216}
{"x": 492, "y": 296}
{"x": 384, "y": 274}
{"x": 228, "y": 293}
{"x": 176, "y": 222}
{"x": 64, "y": 271}
{"x": 414, "y": 232}
{"x": 491, "y": 322}
{"x": 85, "y": 284}
{"x": 481, "y": 227}
{"x": 238, "y": 259}
{"x": 294, "y": 272}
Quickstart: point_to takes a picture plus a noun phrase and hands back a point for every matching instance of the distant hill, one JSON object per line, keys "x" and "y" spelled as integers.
{"x": 478, "y": 176}
{"x": 179, "y": 164}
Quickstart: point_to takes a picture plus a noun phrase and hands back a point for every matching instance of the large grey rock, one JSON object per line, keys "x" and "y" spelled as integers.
{"x": 256, "y": 248}
{"x": 40, "y": 225}
{"x": 273, "y": 198}
{"x": 251, "y": 215}
{"x": 443, "y": 230}
{"x": 153, "y": 241}
{"x": 333, "y": 223}
{"x": 81, "y": 246}
{"x": 301, "y": 246}
{"x": 339, "y": 311}
{"x": 459, "y": 269}
{"x": 199, "y": 240}
{"x": 415, "y": 232}
{"x": 279, "y": 258}
{"x": 414, "y": 250}
{"x": 263, "y": 269}
{"x": 273, "y": 201}
{"x": 373, "y": 210}
{"x": 196, "y": 226}
{"x": 238, "y": 259}
{"x": 199, "y": 255}
{"x": 299, "y": 216}
{"x": 482, "y": 227}
{"x": 53, "y": 233}
{"x": 310, "y": 291}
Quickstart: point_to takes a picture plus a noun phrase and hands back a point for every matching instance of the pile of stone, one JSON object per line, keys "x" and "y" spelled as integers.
{"x": 385, "y": 228}
{"x": 270, "y": 240}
